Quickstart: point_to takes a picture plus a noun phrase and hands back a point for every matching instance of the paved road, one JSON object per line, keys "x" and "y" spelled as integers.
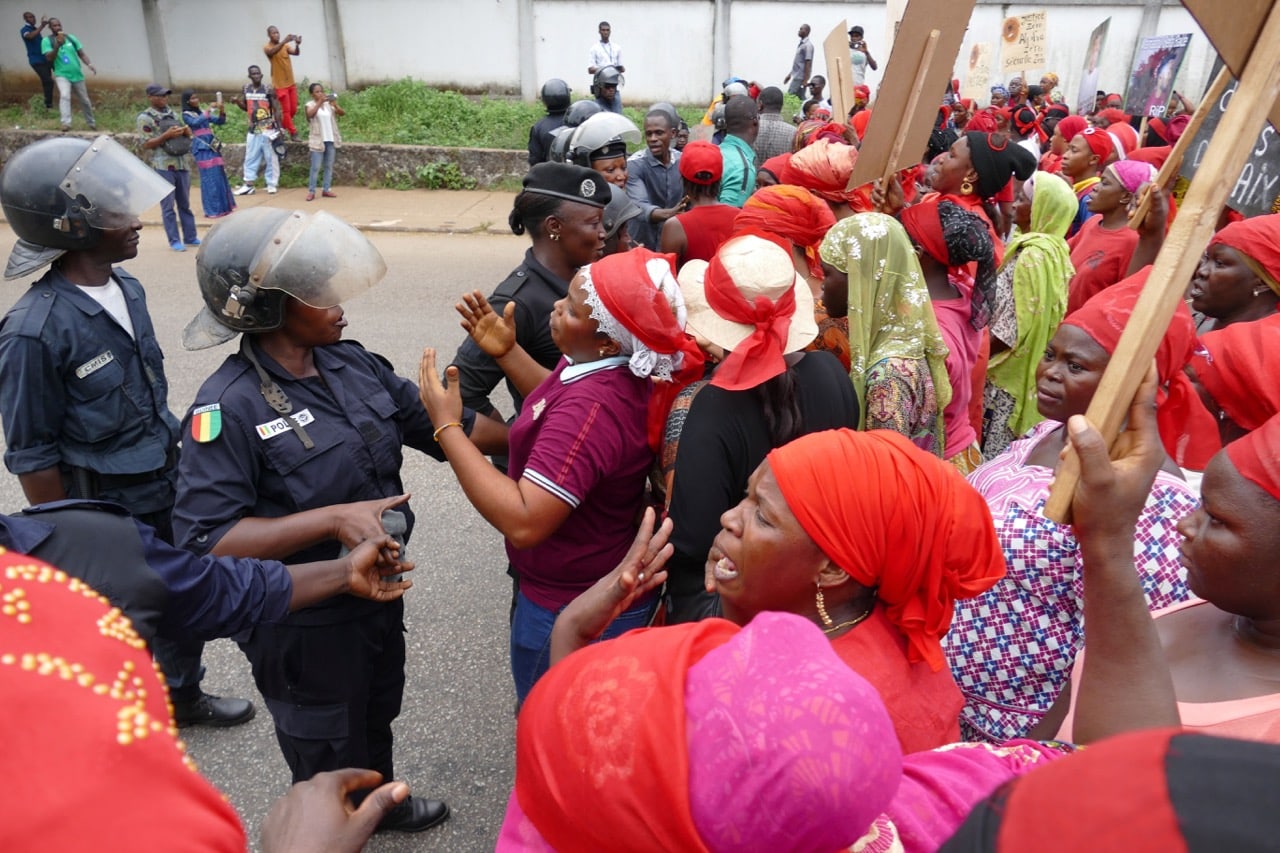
{"x": 454, "y": 738}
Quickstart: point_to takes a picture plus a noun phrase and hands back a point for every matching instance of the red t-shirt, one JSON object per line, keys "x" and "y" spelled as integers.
{"x": 1101, "y": 258}
{"x": 706, "y": 228}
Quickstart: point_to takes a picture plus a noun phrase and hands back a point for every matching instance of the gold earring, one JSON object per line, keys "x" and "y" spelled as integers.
{"x": 822, "y": 608}
{"x": 966, "y": 187}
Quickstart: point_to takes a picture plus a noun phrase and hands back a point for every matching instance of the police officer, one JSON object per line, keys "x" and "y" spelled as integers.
{"x": 561, "y": 208}
{"x": 83, "y": 393}
{"x": 293, "y": 451}
{"x": 555, "y": 96}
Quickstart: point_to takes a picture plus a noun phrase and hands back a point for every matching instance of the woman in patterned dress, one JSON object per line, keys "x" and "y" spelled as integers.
{"x": 1012, "y": 648}
{"x": 215, "y": 189}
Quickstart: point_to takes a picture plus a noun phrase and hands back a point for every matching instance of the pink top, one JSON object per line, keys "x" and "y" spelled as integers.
{"x": 1256, "y": 718}
{"x": 963, "y": 342}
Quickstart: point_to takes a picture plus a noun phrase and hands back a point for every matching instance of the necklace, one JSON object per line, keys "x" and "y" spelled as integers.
{"x": 854, "y": 621}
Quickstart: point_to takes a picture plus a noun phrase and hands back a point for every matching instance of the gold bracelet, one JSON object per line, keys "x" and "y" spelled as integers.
{"x": 436, "y": 435}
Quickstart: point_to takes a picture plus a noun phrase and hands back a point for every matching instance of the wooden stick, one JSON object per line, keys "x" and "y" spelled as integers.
{"x": 895, "y": 153}
{"x": 1142, "y": 129}
{"x": 1170, "y": 169}
{"x": 1224, "y": 160}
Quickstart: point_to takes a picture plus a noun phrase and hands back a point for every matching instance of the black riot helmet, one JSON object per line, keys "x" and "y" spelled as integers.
{"x": 250, "y": 262}
{"x": 555, "y": 95}
{"x": 580, "y": 112}
{"x": 61, "y": 193}
{"x": 608, "y": 75}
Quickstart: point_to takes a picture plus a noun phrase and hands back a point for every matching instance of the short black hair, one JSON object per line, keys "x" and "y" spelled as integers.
{"x": 771, "y": 98}
{"x": 663, "y": 114}
{"x": 740, "y": 112}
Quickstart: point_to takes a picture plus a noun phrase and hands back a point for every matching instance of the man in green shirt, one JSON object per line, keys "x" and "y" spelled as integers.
{"x": 65, "y": 53}
{"x": 741, "y": 124}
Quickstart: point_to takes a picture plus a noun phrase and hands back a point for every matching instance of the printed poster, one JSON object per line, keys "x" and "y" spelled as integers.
{"x": 977, "y": 79}
{"x": 1092, "y": 61}
{"x": 1023, "y": 43}
{"x": 1155, "y": 67}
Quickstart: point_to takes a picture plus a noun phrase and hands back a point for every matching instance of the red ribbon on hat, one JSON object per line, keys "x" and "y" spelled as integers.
{"x": 759, "y": 358}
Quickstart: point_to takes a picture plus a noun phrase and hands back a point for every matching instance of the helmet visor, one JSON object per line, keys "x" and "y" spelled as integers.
{"x": 318, "y": 259}
{"x": 111, "y": 186}
{"x": 603, "y": 128}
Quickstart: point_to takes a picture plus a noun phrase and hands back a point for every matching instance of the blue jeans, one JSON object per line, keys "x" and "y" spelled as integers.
{"x": 181, "y": 180}
{"x": 316, "y": 158}
{"x": 257, "y": 150}
{"x": 531, "y": 638}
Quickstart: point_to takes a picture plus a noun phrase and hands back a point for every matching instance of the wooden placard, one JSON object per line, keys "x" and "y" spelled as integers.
{"x": 839, "y": 72}
{"x": 1231, "y": 29}
{"x": 1190, "y": 234}
{"x": 892, "y": 124}
{"x": 977, "y": 80}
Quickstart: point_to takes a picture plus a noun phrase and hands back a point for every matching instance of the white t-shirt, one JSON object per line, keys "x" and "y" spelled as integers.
{"x": 111, "y": 298}
{"x": 324, "y": 115}
{"x": 605, "y": 53}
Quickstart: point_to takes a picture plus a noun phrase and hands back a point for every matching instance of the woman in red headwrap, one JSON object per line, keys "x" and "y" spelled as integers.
{"x": 797, "y": 216}
{"x": 948, "y": 240}
{"x": 1238, "y": 279}
{"x": 584, "y": 442}
{"x": 1087, "y": 154}
{"x": 1221, "y": 646}
{"x": 1012, "y": 648}
{"x": 1234, "y": 371}
{"x": 751, "y": 305}
{"x": 1103, "y": 247}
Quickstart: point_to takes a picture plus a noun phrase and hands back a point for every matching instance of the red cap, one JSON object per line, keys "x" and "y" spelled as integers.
{"x": 701, "y": 163}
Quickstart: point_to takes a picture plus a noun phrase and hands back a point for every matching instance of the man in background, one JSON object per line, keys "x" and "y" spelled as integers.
{"x": 776, "y": 133}
{"x": 64, "y": 52}
{"x": 31, "y": 37}
{"x": 603, "y": 54}
{"x": 802, "y": 65}
{"x": 653, "y": 179}
{"x": 741, "y": 124}
{"x": 279, "y": 52}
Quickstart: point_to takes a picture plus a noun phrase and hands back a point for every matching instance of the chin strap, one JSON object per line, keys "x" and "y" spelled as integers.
{"x": 274, "y": 394}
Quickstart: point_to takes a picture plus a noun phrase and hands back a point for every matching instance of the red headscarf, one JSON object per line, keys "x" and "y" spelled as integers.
{"x": 812, "y": 131}
{"x": 1257, "y": 456}
{"x": 983, "y": 121}
{"x": 1104, "y": 317}
{"x": 1113, "y": 115}
{"x": 859, "y": 123}
{"x": 1236, "y": 366}
{"x": 568, "y": 750}
{"x": 1071, "y": 125}
{"x": 1127, "y": 135}
{"x": 778, "y": 166}
{"x": 758, "y": 358}
{"x": 824, "y": 167}
{"x": 1100, "y": 143}
{"x": 623, "y": 284}
{"x": 1258, "y": 239}
{"x": 97, "y": 767}
{"x": 792, "y": 212}
{"x": 910, "y": 526}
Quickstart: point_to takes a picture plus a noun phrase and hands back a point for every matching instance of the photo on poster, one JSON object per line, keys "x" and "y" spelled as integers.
{"x": 1155, "y": 68}
{"x": 1092, "y": 62}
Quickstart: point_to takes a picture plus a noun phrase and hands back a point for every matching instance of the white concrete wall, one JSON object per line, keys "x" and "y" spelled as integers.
{"x": 476, "y": 44}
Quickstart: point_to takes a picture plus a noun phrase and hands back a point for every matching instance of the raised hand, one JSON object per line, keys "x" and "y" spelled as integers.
{"x": 443, "y": 404}
{"x": 494, "y": 334}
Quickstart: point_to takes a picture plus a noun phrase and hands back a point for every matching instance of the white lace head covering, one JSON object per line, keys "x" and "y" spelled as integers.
{"x": 643, "y": 362}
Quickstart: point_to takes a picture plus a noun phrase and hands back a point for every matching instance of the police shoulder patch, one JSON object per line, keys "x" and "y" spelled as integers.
{"x": 206, "y": 422}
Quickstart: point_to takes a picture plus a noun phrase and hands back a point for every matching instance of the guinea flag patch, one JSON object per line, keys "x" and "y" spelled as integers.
{"x": 206, "y": 422}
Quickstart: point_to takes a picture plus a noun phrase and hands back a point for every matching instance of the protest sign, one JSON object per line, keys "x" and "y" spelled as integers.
{"x": 1155, "y": 67}
{"x": 977, "y": 80}
{"x": 1092, "y": 60}
{"x": 1023, "y": 42}
{"x": 1258, "y": 186}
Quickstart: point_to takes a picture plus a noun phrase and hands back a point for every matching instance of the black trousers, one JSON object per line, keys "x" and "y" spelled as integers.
{"x": 333, "y": 690}
{"x": 45, "y": 72}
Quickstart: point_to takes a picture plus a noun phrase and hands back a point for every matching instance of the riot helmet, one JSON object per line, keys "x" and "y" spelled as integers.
{"x": 735, "y": 88}
{"x": 555, "y": 95}
{"x": 599, "y": 131}
{"x": 60, "y": 194}
{"x": 580, "y": 111}
{"x": 620, "y": 210}
{"x": 249, "y": 263}
{"x": 717, "y": 116}
{"x": 608, "y": 75}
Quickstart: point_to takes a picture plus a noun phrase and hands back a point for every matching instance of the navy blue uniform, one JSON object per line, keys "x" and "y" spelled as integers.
{"x": 534, "y": 289}
{"x": 332, "y": 675}
{"x": 76, "y": 392}
{"x": 540, "y": 136}
{"x": 163, "y": 590}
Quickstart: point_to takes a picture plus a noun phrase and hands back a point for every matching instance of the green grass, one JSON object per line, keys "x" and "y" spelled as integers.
{"x": 403, "y": 112}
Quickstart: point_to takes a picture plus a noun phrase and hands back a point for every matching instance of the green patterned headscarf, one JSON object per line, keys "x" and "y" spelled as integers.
{"x": 1041, "y": 270}
{"x": 889, "y": 311}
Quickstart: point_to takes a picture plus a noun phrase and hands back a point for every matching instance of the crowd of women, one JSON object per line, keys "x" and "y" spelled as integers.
{"x": 855, "y": 623}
